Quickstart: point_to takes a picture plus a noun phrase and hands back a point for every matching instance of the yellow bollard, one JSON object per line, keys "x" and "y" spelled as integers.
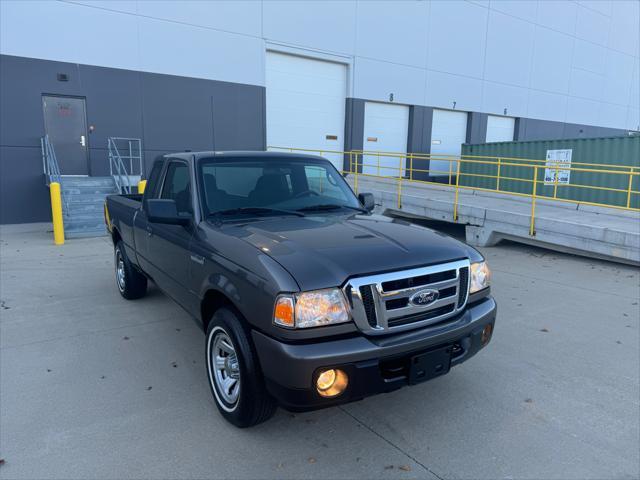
{"x": 56, "y": 213}
{"x": 142, "y": 184}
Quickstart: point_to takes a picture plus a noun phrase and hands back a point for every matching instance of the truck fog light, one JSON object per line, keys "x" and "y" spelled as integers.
{"x": 486, "y": 334}
{"x": 331, "y": 382}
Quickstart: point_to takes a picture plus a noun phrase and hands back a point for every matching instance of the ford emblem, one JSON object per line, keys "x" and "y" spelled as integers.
{"x": 424, "y": 297}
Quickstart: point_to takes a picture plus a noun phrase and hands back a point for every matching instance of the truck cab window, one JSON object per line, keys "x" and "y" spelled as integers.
{"x": 177, "y": 186}
{"x": 154, "y": 176}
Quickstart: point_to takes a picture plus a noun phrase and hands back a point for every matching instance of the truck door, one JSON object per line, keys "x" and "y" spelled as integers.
{"x": 168, "y": 245}
{"x": 141, "y": 228}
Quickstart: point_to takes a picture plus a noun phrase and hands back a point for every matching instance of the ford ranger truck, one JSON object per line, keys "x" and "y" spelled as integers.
{"x": 308, "y": 299}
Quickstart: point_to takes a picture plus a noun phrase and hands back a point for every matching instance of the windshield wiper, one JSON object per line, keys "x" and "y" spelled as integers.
{"x": 254, "y": 211}
{"x": 328, "y": 207}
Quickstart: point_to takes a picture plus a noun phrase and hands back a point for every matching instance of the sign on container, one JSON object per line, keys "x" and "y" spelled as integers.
{"x": 558, "y": 161}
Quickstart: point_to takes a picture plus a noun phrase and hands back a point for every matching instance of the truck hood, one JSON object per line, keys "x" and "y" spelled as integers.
{"x": 325, "y": 250}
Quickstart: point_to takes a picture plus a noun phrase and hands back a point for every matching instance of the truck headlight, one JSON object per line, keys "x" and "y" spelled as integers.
{"x": 311, "y": 309}
{"x": 480, "y": 277}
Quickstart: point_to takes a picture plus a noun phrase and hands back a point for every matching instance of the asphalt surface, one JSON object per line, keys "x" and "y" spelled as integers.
{"x": 94, "y": 386}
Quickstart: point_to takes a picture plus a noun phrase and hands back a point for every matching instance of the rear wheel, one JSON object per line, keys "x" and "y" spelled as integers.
{"x": 130, "y": 282}
{"x": 234, "y": 375}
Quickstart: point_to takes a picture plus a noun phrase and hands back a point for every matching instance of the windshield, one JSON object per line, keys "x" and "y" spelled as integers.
{"x": 274, "y": 186}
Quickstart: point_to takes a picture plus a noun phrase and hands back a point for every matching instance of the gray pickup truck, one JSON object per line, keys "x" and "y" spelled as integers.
{"x": 307, "y": 298}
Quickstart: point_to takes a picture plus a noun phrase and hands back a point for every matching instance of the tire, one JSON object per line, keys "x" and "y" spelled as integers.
{"x": 237, "y": 384}
{"x": 130, "y": 282}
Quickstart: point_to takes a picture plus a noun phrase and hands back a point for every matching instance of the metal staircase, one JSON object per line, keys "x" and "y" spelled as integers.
{"x": 83, "y": 215}
{"x": 83, "y": 197}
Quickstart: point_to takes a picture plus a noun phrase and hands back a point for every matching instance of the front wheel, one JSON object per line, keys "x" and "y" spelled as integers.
{"x": 234, "y": 375}
{"x": 130, "y": 282}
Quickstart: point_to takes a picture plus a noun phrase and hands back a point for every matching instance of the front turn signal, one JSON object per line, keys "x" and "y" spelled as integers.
{"x": 283, "y": 312}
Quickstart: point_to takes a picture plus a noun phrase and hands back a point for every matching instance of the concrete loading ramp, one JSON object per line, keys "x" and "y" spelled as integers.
{"x": 490, "y": 217}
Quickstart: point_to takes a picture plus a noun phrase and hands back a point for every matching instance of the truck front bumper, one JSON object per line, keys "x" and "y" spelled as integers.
{"x": 373, "y": 364}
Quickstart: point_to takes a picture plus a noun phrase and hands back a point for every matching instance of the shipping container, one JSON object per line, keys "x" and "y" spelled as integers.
{"x": 582, "y": 183}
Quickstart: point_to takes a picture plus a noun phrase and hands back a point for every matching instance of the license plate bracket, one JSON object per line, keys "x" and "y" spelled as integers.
{"x": 428, "y": 365}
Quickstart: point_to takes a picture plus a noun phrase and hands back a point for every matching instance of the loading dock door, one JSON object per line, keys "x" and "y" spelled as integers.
{"x": 500, "y": 129}
{"x": 385, "y": 130}
{"x": 448, "y": 133}
{"x": 65, "y": 121}
{"x": 306, "y": 104}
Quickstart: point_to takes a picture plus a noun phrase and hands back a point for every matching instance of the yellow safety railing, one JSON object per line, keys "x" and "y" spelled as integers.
{"x": 504, "y": 175}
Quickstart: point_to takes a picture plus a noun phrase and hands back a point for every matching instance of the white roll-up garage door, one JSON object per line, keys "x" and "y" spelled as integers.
{"x": 306, "y": 104}
{"x": 386, "y": 128}
{"x": 500, "y": 129}
{"x": 448, "y": 133}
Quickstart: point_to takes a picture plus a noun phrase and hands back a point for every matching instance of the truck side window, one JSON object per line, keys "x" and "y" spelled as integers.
{"x": 177, "y": 186}
{"x": 154, "y": 176}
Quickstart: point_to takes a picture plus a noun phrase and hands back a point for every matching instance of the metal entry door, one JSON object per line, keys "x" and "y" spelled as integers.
{"x": 65, "y": 121}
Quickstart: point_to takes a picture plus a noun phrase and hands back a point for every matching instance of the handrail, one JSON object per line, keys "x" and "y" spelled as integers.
{"x": 51, "y": 168}
{"x": 444, "y": 156}
{"x": 117, "y": 167}
{"x": 501, "y": 175}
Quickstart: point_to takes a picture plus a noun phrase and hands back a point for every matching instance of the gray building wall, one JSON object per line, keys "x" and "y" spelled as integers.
{"x": 535, "y": 129}
{"x": 169, "y": 113}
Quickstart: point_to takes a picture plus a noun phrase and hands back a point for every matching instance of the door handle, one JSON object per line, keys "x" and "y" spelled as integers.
{"x": 83, "y": 141}
{"x": 199, "y": 259}
{"x": 149, "y": 231}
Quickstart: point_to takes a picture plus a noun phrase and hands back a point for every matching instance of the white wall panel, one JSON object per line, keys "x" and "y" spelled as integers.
{"x": 443, "y": 89}
{"x": 625, "y": 28}
{"x": 558, "y": 15}
{"x": 497, "y": 96}
{"x": 68, "y": 32}
{"x": 547, "y": 106}
{"x": 581, "y": 110}
{"x": 404, "y": 24}
{"x": 601, "y": 6}
{"x": 610, "y": 114}
{"x": 457, "y": 32}
{"x": 167, "y": 47}
{"x": 633, "y": 118}
{"x": 551, "y": 61}
{"x": 509, "y": 50}
{"x": 524, "y": 9}
{"x": 375, "y": 80}
{"x": 231, "y": 16}
{"x": 592, "y": 25}
{"x": 126, "y": 6}
{"x": 589, "y": 56}
{"x": 321, "y": 25}
{"x": 619, "y": 71}
{"x": 634, "y": 92}
{"x": 586, "y": 84}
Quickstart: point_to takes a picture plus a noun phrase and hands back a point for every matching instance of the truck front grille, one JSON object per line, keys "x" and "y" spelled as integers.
{"x": 368, "y": 303}
{"x": 395, "y": 301}
{"x": 464, "y": 284}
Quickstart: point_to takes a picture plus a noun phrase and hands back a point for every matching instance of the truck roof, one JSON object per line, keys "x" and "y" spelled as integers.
{"x": 238, "y": 154}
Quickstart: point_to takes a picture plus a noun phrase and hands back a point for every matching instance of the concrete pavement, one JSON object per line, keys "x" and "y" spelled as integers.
{"x": 94, "y": 386}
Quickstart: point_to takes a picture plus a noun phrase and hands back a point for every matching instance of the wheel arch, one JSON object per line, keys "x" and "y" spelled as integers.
{"x": 212, "y": 301}
{"x": 115, "y": 236}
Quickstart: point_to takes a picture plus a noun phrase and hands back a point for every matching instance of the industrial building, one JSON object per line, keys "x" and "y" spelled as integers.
{"x": 398, "y": 76}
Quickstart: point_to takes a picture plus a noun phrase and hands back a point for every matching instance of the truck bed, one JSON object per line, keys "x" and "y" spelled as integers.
{"x": 122, "y": 210}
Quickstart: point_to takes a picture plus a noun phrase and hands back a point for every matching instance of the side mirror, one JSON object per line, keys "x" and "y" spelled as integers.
{"x": 367, "y": 201}
{"x": 164, "y": 211}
